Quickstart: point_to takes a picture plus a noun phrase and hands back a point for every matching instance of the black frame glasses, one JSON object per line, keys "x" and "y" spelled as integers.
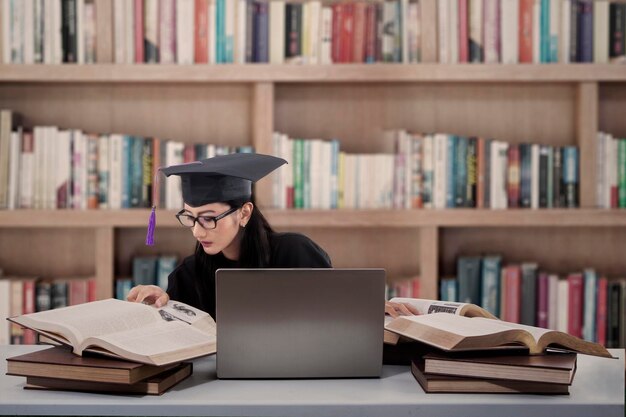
{"x": 204, "y": 221}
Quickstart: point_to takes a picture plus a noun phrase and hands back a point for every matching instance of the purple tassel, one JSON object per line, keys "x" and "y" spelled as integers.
{"x": 151, "y": 225}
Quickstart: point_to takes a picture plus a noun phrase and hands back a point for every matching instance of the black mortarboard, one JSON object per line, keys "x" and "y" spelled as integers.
{"x": 218, "y": 179}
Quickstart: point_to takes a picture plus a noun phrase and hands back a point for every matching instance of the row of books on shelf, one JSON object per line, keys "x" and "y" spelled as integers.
{"x": 611, "y": 170}
{"x": 48, "y": 168}
{"x": 427, "y": 171}
{"x": 584, "y": 304}
{"x": 20, "y": 295}
{"x": 146, "y": 270}
{"x": 316, "y": 32}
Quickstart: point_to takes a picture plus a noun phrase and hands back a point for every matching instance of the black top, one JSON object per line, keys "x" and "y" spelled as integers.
{"x": 288, "y": 250}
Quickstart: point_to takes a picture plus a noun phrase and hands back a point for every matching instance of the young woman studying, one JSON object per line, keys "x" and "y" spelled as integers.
{"x": 231, "y": 232}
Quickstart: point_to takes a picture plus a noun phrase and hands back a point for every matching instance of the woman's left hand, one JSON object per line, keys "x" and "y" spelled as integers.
{"x": 400, "y": 309}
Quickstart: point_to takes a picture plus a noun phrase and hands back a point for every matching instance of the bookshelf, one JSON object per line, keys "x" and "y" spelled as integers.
{"x": 239, "y": 105}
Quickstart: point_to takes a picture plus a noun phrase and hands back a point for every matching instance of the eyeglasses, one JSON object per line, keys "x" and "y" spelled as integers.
{"x": 206, "y": 222}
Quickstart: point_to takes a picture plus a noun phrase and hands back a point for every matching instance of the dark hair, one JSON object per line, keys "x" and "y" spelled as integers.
{"x": 254, "y": 251}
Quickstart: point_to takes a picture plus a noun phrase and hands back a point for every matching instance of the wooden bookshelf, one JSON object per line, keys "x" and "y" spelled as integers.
{"x": 243, "y": 104}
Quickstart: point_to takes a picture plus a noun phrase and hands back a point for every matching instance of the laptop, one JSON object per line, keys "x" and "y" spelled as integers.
{"x": 299, "y": 323}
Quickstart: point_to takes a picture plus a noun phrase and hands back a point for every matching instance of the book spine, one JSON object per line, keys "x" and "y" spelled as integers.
{"x": 490, "y": 294}
{"x": 589, "y": 305}
{"x": 528, "y": 313}
{"x": 575, "y": 305}
{"x": 570, "y": 176}
{"x": 542, "y": 300}
{"x": 513, "y": 183}
{"x": 468, "y": 273}
{"x": 601, "y": 311}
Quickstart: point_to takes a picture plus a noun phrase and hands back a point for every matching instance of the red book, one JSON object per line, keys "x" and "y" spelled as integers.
{"x": 525, "y": 31}
{"x": 28, "y": 306}
{"x": 139, "y": 40}
{"x": 201, "y": 32}
{"x": 91, "y": 289}
{"x": 513, "y": 178}
{"x": 370, "y": 33}
{"x": 336, "y": 32}
{"x": 78, "y": 291}
{"x": 601, "y": 307}
{"x": 189, "y": 153}
{"x": 463, "y": 35}
{"x": 575, "y": 305}
{"x": 347, "y": 34}
{"x": 512, "y": 293}
{"x": 358, "y": 51}
{"x": 542, "y": 300}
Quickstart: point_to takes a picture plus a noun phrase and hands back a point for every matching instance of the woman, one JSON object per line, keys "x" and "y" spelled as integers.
{"x": 231, "y": 232}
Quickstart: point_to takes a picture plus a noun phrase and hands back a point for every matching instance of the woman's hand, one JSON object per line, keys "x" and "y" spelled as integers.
{"x": 400, "y": 309}
{"x": 148, "y": 294}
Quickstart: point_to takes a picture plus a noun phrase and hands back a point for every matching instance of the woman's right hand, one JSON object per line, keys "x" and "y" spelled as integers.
{"x": 148, "y": 294}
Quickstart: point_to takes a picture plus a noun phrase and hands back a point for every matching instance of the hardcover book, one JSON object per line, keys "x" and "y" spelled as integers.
{"x": 131, "y": 331}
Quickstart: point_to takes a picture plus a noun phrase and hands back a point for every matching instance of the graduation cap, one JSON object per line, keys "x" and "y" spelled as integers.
{"x": 218, "y": 179}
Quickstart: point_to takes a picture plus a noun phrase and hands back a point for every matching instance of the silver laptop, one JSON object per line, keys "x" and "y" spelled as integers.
{"x": 300, "y": 323}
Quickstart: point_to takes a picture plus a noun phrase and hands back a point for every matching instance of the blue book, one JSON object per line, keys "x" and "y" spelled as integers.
{"x": 122, "y": 287}
{"x": 219, "y": 31}
{"x": 570, "y": 175}
{"x": 165, "y": 266}
{"x": 261, "y": 35}
{"x": 528, "y": 313}
{"x": 126, "y": 169}
{"x": 144, "y": 270}
{"x": 585, "y": 31}
{"x": 589, "y": 305}
{"x": 135, "y": 171}
{"x": 448, "y": 290}
{"x": 451, "y": 163}
{"x": 468, "y": 275}
{"x": 490, "y": 276}
{"x": 544, "y": 29}
{"x": 460, "y": 194}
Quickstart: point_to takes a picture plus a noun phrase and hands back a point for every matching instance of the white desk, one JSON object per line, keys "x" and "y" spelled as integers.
{"x": 598, "y": 390}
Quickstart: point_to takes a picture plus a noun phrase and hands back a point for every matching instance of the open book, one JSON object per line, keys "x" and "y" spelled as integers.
{"x": 451, "y": 332}
{"x": 424, "y": 306}
{"x": 131, "y": 331}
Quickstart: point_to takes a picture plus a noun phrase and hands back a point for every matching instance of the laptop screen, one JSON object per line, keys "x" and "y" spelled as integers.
{"x": 300, "y": 323}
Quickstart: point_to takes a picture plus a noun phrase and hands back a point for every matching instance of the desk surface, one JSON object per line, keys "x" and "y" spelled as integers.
{"x": 597, "y": 390}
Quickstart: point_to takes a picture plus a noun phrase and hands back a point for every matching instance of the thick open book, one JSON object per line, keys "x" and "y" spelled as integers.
{"x": 424, "y": 306}
{"x": 451, "y": 332}
{"x": 131, "y": 331}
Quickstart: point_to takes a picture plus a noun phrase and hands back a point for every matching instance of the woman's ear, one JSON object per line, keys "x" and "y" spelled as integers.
{"x": 246, "y": 212}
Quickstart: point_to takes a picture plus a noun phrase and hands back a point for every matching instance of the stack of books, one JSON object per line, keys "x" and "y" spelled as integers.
{"x": 57, "y": 368}
{"x": 461, "y": 347}
{"x": 489, "y": 372}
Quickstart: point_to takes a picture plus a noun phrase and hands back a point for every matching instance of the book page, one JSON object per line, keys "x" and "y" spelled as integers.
{"x": 462, "y": 326}
{"x": 536, "y": 332}
{"x": 431, "y": 306}
{"x": 96, "y": 318}
{"x": 173, "y": 338}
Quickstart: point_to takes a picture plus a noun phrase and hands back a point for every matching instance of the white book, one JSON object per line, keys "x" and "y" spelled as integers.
{"x": 277, "y": 179}
{"x": 27, "y": 166}
{"x": 553, "y": 301}
{"x": 185, "y": 32}
{"x": 555, "y": 29}
{"x": 173, "y": 190}
{"x": 129, "y": 31}
{"x": 601, "y": 31}
{"x": 37, "y": 175}
{"x": 494, "y": 183}
{"x": 5, "y": 311}
{"x": 52, "y": 158}
{"x": 57, "y": 38}
{"x": 443, "y": 25}
{"x": 534, "y": 176}
{"x": 212, "y": 32}
{"x": 404, "y": 30}
{"x": 315, "y": 175}
{"x": 64, "y": 167}
{"x": 15, "y": 147}
{"x": 413, "y": 32}
{"x": 491, "y": 28}
{"x": 240, "y": 38}
{"x": 326, "y": 36}
{"x": 48, "y": 30}
{"x": 502, "y": 192}
{"x": 38, "y": 31}
{"x": 440, "y": 170}
{"x": 476, "y": 26}
{"x": 315, "y": 16}
{"x": 537, "y": 32}
{"x": 408, "y": 168}
{"x": 327, "y": 186}
{"x": 509, "y": 29}
{"x": 104, "y": 172}
{"x": 167, "y": 31}
{"x": 29, "y": 31}
{"x": 453, "y": 29}
{"x": 115, "y": 166}
{"x": 89, "y": 31}
{"x": 600, "y": 170}
{"x": 305, "y": 30}
{"x": 80, "y": 31}
{"x": 562, "y": 312}
{"x": 119, "y": 37}
{"x": 17, "y": 31}
{"x": 564, "y": 39}
{"x": 229, "y": 31}
{"x": 6, "y": 30}
{"x": 277, "y": 32}
{"x": 151, "y": 30}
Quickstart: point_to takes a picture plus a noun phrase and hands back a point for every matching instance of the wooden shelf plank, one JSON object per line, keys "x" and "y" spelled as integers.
{"x": 331, "y": 219}
{"x": 168, "y": 73}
